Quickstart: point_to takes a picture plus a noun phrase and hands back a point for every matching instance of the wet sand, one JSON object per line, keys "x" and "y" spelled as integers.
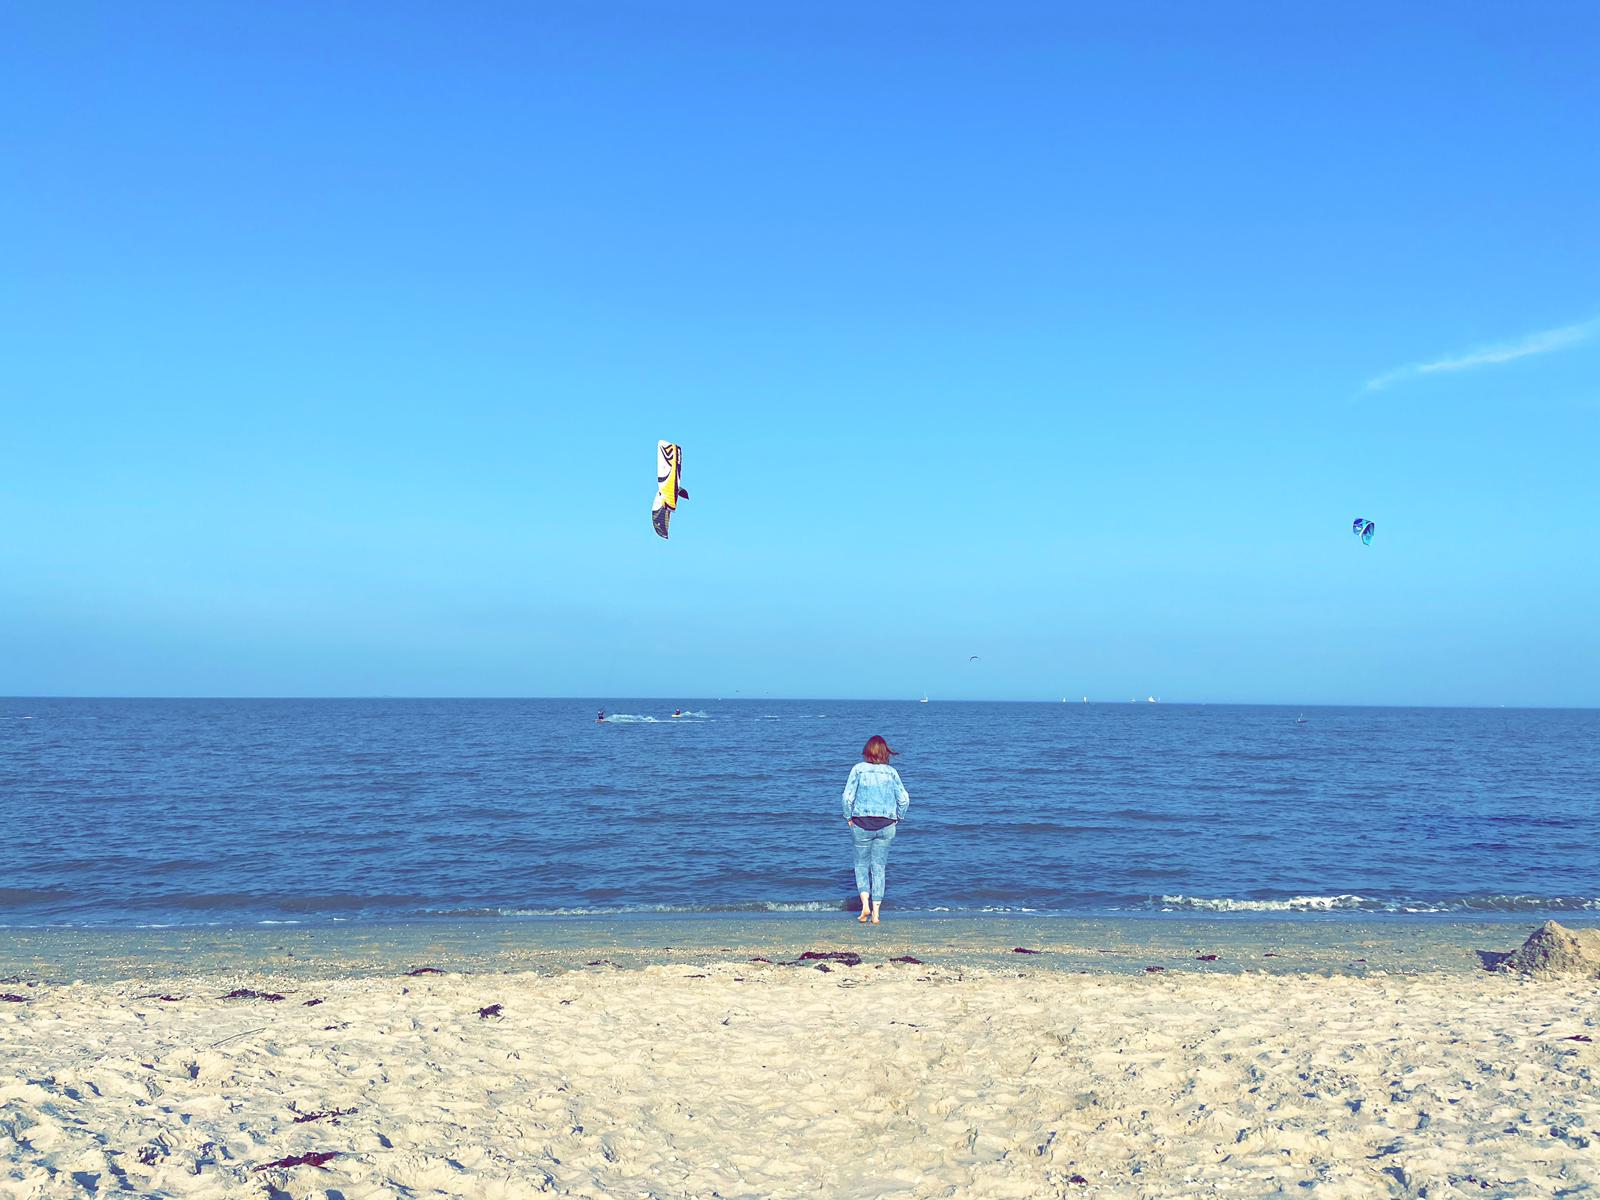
{"x": 1127, "y": 944}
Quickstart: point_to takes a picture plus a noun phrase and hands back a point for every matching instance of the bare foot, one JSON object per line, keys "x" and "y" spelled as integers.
{"x": 863, "y": 918}
{"x": 874, "y": 918}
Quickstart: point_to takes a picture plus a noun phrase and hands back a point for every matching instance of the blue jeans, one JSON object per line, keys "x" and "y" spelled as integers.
{"x": 872, "y": 858}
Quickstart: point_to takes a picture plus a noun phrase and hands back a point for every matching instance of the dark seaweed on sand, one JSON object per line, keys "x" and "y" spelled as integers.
{"x": 848, "y": 958}
{"x": 425, "y": 971}
{"x": 247, "y": 994}
{"x": 315, "y": 1159}
{"x": 13, "y": 998}
{"x": 331, "y": 1114}
{"x": 906, "y": 958}
{"x": 313, "y": 1003}
{"x": 493, "y": 1010}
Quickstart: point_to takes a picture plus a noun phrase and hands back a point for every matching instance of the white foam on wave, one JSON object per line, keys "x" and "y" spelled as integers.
{"x": 1293, "y": 904}
{"x": 1353, "y": 903}
{"x": 631, "y": 719}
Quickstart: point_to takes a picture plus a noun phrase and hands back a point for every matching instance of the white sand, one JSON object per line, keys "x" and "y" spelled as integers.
{"x": 775, "y": 1081}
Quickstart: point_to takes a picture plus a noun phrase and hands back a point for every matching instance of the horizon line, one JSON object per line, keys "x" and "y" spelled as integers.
{"x": 587, "y": 700}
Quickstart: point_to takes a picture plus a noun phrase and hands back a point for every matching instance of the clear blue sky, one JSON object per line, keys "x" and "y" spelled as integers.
{"x": 335, "y": 341}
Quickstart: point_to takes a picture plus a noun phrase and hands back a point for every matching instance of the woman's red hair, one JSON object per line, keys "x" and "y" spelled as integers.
{"x": 877, "y": 750}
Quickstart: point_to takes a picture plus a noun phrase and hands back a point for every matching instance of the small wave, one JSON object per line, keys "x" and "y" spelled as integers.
{"x": 624, "y": 910}
{"x": 1293, "y": 904}
{"x": 1404, "y": 904}
{"x": 631, "y": 719}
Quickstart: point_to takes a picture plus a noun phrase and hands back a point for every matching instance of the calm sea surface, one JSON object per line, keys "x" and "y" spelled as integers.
{"x": 153, "y": 812}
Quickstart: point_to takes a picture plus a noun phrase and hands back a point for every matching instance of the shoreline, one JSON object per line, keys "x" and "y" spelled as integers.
{"x": 1101, "y": 945}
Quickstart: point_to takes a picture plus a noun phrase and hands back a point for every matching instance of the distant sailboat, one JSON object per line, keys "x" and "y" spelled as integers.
{"x": 1301, "y": 720}
{"x": 924, "y": 699}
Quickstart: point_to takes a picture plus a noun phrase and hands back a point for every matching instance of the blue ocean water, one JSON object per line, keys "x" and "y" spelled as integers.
{"x": 155, "y": 812}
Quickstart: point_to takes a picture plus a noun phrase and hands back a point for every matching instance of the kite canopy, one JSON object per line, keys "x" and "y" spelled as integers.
{"x": 1363, "y": 529}
{"x": 669, "y": 474}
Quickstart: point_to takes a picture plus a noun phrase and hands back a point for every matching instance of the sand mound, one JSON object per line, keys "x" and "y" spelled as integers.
{"x": 1554, "y": 951}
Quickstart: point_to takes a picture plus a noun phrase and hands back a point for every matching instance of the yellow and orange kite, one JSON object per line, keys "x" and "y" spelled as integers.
{"x": 669, "y": 473}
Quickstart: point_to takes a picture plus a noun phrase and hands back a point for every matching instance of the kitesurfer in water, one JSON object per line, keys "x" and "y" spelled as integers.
{"x": 600, "y": 717}
{"x": 875, "y": 801}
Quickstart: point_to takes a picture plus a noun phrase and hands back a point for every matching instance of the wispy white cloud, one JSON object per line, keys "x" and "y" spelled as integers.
{"x": 1487, "y": 356}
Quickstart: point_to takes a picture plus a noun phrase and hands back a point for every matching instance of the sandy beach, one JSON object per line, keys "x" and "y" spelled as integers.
{"x": 718, "y": 1076}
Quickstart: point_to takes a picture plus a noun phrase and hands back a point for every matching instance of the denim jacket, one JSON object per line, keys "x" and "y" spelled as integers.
{"x": 875, "y": 790}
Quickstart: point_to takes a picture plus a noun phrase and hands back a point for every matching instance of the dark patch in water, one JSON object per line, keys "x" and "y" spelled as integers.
{"x": 1205, "y": 958}
{"x": 906, "y": 958}
{"x": 1153, "y": 970}
{"x": 1024, "y": 950}
{"x": 424, "y": 971}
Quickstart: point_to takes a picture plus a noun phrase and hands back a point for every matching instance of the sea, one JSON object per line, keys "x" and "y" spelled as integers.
{"x": 175, "y": 813}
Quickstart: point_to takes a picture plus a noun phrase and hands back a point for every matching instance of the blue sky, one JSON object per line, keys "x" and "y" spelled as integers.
{"x": 335, "y": 342}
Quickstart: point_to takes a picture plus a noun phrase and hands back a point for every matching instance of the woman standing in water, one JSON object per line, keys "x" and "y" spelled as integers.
{"x": 874, "y": 801}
